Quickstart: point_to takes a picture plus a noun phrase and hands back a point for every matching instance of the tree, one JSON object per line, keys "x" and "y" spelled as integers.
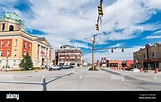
{"x": 54, "y": 62}
{"x": 26, "y": 62}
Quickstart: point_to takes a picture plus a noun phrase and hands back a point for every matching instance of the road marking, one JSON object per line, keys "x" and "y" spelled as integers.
{"x": 155, "y": 77}
{"x": 80, "y": 77}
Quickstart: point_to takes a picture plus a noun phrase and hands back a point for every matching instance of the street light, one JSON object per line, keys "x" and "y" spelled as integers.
{"x": 97, "y": 27}
{"x": 100, "y": 9}
{"x": 7, "y": 62}
{"x": 93, "y": 45}
{"x": 112, "y": 49}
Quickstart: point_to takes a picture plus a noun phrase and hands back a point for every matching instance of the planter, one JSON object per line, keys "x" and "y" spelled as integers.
{"x": 156, "y": 70}
{"x": 123, "y": 68}
{"x": 141, "y": 69}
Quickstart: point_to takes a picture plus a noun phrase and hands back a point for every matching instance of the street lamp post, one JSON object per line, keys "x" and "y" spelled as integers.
{"x": 6, "y": 62}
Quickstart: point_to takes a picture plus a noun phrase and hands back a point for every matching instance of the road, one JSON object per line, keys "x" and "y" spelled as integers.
{"x": 79, "y": 79}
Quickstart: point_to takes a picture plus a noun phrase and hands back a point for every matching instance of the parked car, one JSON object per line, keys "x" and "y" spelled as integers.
{"x": 67, "y": 66}
{"x": 135, "y": 70}
{"x": 54, "y": 68}
{"x": 128, "y": 69}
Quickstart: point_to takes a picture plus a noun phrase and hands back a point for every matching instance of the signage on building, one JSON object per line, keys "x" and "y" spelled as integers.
{"x": 103, "y": 59}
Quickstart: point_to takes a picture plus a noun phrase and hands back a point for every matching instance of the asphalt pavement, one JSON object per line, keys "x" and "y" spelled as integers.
{"x": 79, "y": 79}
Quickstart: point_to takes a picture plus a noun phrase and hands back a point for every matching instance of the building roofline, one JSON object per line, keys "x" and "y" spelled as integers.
{"x": 31, "y": 37}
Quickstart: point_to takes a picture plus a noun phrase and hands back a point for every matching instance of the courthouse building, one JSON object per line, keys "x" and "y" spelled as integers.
{"x": 15, "y": 43}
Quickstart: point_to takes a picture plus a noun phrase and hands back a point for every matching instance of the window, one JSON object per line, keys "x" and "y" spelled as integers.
{"x": 11, "y": 28}
{"x": 15, "y": 43}
{"x": 8, "y": 42}
{"x": 8, "y": 52}
{"x": 134, "y": 57}
{"x": 29, "y": 46}
{"x": 72, "y": 51}
{"x": 2, "y": 42}
{"x": 72, "y": 59}
{"x": 42, "y": 49}
{"x": 24, "y": 44}
{"x": 14, "y": 62}
{"x": 72, "y": 55}
{"x": 144, "y": 56}
{"x": 24, "y": 53}
{"x": 156, "y": 55}
{"x": 3, "y": 26}
{"x": 152, "y": 54}
{"x": 15, "y": 53}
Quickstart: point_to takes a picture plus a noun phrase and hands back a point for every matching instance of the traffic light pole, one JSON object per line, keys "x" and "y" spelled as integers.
{"x": 94, "y": 39}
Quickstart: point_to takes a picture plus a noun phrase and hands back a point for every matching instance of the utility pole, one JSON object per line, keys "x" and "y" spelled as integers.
{"x": 7, "y": 63}
{"x": 94, "y": 39}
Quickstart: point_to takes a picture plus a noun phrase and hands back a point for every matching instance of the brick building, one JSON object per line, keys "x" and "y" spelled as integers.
{"x": 127, "y": 63}
{"x": 114, "y": 63}
{"x": 68, "y": 55}
{"x": 15, "y": 43}
{"x": 150, "y": 56}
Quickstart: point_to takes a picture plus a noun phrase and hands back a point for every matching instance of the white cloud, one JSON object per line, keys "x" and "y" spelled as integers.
{"x": 153, "y": 3}
{"x": 153, "y": 37}
{"x": 80, "y": 45}
{"x": 117, "y": 45}
{"x": 65, "y": 20}
{"x": 157, "y": 32}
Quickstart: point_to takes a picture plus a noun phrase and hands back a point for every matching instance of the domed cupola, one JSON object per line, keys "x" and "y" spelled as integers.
{"x": 11, "y": 22}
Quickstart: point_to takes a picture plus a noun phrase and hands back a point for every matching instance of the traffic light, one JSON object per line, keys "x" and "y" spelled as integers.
{"x": 112, "y": 50}
{"x": 100, "y": 9}
{"x": 122, "y": 50}
{"x": 97, "y": 27}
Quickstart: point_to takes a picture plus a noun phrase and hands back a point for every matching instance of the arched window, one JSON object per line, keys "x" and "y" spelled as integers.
{"x": 11, "y": 28}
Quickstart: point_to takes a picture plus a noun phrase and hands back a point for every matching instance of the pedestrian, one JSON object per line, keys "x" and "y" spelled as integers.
{"x": 145, "y": 70}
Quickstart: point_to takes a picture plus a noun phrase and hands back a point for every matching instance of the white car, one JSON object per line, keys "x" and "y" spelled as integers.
{"x": 54, "y": 68}
{"x": 135, "y": 70}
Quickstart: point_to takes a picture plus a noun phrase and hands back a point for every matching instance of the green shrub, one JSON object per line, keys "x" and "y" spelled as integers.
{"x": 95, "y": 69}
{"x": 26, "y": 62}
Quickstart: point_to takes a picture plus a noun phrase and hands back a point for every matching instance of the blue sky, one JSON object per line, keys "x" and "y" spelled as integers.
{"x": 128, "y": 24}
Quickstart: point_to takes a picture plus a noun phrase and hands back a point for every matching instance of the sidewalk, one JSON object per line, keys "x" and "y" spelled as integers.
{"x": 150, "y": 76}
